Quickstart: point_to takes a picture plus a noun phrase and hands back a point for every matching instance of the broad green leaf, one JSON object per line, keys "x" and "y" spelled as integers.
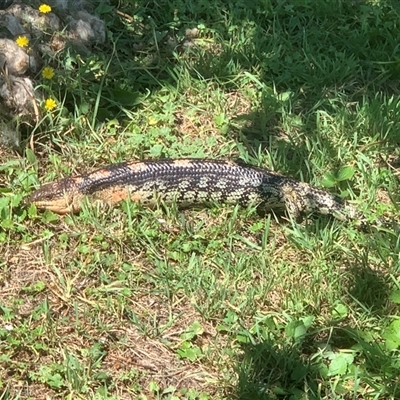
{"x": 300, "y": 331}
{"x": 329, "y": 180}
{"x": 55, "y": 381}
{"x": 153, "y": 386}
{"x": 156, "y": 150}
{"x": 391, "y": 335}
{"x": 7, "y": 223}
{"x": 391, "y": 340}
{"x": 191, "y": 353}
{"x": 196, "y": 328}
{"x": 345, "y": 173}
{"x": 395, "y": 296}
{"x": 296, "y": 329}
{"x": 323, "y": 370}
{"x": 30, "y": 155}
{"x": 308, "y": 321}
{"x": 338, "y": 365}
{"x": 284, "y": 96}
{"x": 395, "y": 325}
{"x": 340, "y": 311}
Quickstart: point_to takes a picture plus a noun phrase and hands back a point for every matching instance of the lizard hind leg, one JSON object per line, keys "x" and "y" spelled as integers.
{"x": 294, "y": 201}
{"x": 301, "y": 198}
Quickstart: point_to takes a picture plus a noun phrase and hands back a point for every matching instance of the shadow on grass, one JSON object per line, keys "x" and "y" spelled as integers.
{"x": 341, "y": 358}
{"x": 301, "y": 371}
{"x": 269, "y": 372}
{"x": 308, "y": 59}
{"x": 304, "y": 48}
{"x": 370, "y": 289}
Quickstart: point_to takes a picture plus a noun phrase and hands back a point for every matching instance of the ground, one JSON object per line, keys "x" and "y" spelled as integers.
{"x": 216, "y": 302}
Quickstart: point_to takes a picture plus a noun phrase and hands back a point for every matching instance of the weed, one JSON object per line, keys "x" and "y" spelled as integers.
{"x": 217, "y": 302}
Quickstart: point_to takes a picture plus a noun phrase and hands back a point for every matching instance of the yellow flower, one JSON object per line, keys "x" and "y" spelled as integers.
{"x": 152, "y": 121}
{"x": 48, "y": 72}
{"x": 50, "y": 104}
{"x": 22, "y": 41}
{"x": 44, "y": 8}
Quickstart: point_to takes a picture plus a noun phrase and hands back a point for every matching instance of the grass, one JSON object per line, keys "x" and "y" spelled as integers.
{"x": 215, "y": 303}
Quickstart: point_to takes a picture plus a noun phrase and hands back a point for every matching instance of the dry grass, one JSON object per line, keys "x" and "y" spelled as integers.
{"x": 218, "y": 302}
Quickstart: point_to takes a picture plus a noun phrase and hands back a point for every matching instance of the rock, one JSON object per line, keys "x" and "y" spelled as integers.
{"x": 5, "y": 3}
{"x": 9, "y": 135}
{"x": 12, "y": 24}
{"x": 86, "y": 28}
{"x": 38, "y": 21}
{"x": 13, "y": 57}
{"x": 18, "y": 94}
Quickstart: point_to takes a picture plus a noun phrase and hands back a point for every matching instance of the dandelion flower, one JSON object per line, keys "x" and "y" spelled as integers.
{"x": 44, "y": 8}
{"x": 50, "y": 104}
{"x": 48, "y": 72}
{"x": 152, "y": 121}
{"x": 22, "y": 41}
